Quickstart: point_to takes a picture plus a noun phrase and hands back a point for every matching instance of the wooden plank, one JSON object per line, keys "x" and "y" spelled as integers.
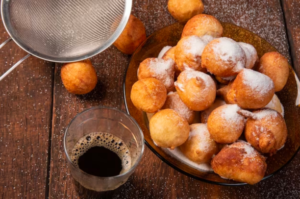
{"x": 292, "y": 19}
{"x": 25, "y": 123}
{"x": 153, "y": 178}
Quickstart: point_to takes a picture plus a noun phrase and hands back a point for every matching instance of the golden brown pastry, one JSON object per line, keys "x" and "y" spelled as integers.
{"x": 133, "y": 35}
{"x": 168, "y": 129}
{"x": 183, "y": 10}
{"x": 188, "y": 53}
{"x": 225, "y": 125}
{"x": 163, "y": 51}
{"x": 227, "y": 93}
{"x": 196, "y": 89}
{"x": 251, "y": 54}
{"x": 223, "y": 57}
{"x": 205, "y": 114}
{"x": 79, "y": 77}
{"x": 199, "y": 147}
{"x": 174, "y": 102}
{"x": 276, "y": 66}
{"x": 240, "y": 162}
{"x": 201, "y": 25}
{"x": 276, "y": 105}
{"x": 170, "y": 54}
{"x": 160, "y": 69}
{"x": 251, "y": 89}
{"x": 148, "y": 95}
{"x": 225, "y": 80}
{"x": 265, "y": 130}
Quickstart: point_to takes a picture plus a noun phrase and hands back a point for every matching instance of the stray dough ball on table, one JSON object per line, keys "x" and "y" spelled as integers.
{"x": 223, "y": 57}
{"x": 205, "y": 114}
{"x": 276, "y": 66}
{"x": 175, "y": 103}
{"x": 170, "y": 54}
{"x": 251, "y": 54}
{"x": 160, "y": 69}
{"x": 168, "y": 129}
{"x": 79, "y": 77}
{"x": 240, "y": 162}
{"x": 265, "y": 130}
{"x": 199, "y": 147}
{"x": 148, "y": 95}
{"x": 196, "y": 89}
{"x": 201, "y": 25}
{"x": 225, "y": 125}
{"x": 188, "y": 53}
{"x": 183, "y": 10}
{"x": 276, "y": 105}
{"x": 252, "y": 90}
{"x": 133, "y": 35}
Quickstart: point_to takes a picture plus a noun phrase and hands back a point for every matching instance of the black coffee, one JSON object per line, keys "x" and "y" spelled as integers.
{"x": 100, "y": 161}
{"x": 101, "y": 154}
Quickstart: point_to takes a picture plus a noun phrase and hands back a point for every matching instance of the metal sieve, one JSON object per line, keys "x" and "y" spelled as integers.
{"x": 63, "y": 30}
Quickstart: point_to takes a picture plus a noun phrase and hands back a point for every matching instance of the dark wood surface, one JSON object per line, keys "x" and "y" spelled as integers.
{"x": 34, "y": 93}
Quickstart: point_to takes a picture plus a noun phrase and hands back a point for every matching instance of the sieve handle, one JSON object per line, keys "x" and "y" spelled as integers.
{"x": 15, "y": 65}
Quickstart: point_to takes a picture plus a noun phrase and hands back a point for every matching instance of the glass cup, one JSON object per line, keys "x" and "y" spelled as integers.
{"x": 107, "y": 120}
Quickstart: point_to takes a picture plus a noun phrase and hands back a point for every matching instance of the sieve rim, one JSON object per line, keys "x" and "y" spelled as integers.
{"x": 106, "y": 44}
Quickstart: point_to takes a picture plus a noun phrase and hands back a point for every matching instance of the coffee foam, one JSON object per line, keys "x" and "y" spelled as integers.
{"x": 106, "y": 140}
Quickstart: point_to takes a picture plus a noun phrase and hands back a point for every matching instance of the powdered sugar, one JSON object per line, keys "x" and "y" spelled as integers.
{"x": 201, "y": 131}
{"x": 229, "y": 112}
{"x": 248, "y": 149}
{"x": 180, "y": 86}
{"x": 229, "y": 51}
{"x": 266, "y": 113}
{"x": 274, "y": 103}
{"x": 194, "y": 45}
{"x": 163, "y": 51}
{"x": 258, "y": 82}
{"x": 251, "y": 54}
{"x": 190, "y": 74}
{"x": 207, "y": 38}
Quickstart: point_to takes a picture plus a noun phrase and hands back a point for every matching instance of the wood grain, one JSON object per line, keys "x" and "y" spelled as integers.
{"x": 153, "y": 178}
{"x": 292, "y": 19}
{"x": 25, "y": 123}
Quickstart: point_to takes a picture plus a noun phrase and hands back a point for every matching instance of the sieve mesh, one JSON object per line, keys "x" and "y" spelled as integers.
{"x": 65, "y": 30}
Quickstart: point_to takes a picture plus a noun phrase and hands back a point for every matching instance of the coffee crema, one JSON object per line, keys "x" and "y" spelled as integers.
{"x": 101, "y": 154}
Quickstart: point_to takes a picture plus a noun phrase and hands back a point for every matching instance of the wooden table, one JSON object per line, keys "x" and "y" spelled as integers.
{"x": 35, "y": 109}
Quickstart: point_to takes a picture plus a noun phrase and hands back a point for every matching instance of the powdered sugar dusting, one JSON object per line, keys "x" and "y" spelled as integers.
{"x": 194, "y": 45}
{"x": 190, "y": 74}
{"x": 258, "y": 82}
{"x": 207, "y": 38}
{"x": 163, "y": 51}
{"x": 180, "y": 86}
{"x": 251, "y": 54}
{"x": 202, "y": 131}
{"x": 266, "y": 113}
{"x": 163, "y": 70}
{"x": 229, "y": 112}
{"x": 248, "y": 149}
{"x": 229, "y": 51}
{"x": 275, "y": 102}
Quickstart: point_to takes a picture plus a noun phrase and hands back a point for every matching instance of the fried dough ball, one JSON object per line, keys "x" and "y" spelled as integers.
{"x": 199, "y": 147}
{"x": 227, "y": 93}
{"x": 163, "y": 51}
{"x": 225, "y": 80}
{"x": 225, "y": 125}
{"x": 160, "y": 69}
{"x": 183, "y": 10}
{"x": 148, "y": 95}
{"x": 205, "y": 114}
{"x": 252, "y": 90}
{"x": 196, "y": 89}
{"x": 223, "y": 57}
{"x": 188, "y": 53}
{"x": 251, "y": 54}
{"x": 175, "y": 103}
{"x": 79, "y": 77}
{"x": 170, "y": 54}
{"x": 276, "y": 66}
{"x": 133, "y": 35}
{"x": 276, "y": 105}
{"x": 168, "y": 129}
{"x": 265, "y": 130}
{"x": 240, "y": 162}
{"x": 201, "y": 25}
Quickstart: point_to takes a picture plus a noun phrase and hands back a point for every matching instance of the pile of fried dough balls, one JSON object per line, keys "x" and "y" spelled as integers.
{"x": 215, "y": 75}
{"x": 81, "y": 78}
